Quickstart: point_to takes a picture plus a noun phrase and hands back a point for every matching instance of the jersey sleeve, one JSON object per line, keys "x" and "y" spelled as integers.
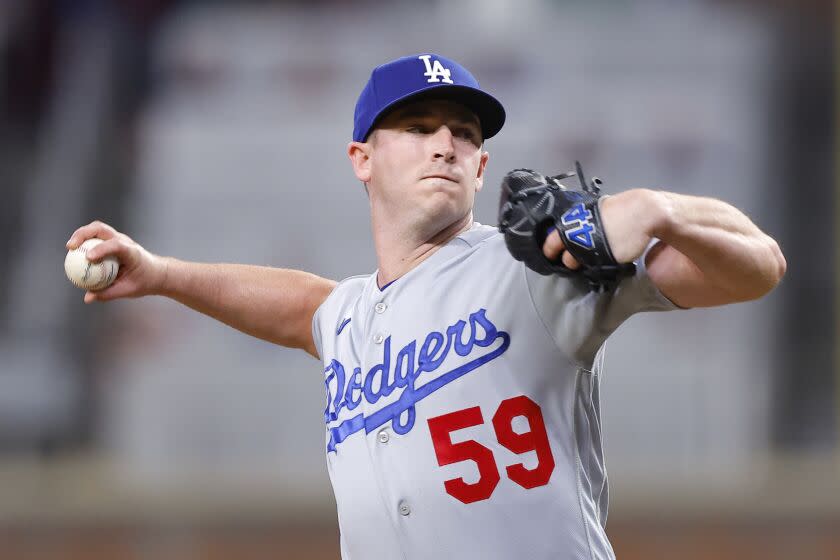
{"x": 325, "y": 318}
{"x": 316, "y": 329}
{"x": 580, "y": 320}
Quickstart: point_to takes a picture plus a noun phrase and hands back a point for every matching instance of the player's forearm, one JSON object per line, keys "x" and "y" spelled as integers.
{"x": 273, "y": 304}
{"x": 724, "y": 244}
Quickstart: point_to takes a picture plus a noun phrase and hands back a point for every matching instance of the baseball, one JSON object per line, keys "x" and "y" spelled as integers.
{"x": 89, "y": 275}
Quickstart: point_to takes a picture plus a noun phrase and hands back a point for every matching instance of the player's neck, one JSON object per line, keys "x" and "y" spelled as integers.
{"x": 398, "y": 251}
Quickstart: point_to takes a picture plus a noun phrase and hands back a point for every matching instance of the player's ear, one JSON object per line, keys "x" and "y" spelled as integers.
{"x": 359, "y": 154}
{"x": 479, "y": 178}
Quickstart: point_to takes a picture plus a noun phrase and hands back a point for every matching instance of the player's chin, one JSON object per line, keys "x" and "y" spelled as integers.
{"x": 446, "y": 194}
{"x": 445, "y": 207}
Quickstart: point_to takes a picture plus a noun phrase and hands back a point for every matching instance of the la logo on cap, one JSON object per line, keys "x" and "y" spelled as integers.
{"x": 435, "y": 71}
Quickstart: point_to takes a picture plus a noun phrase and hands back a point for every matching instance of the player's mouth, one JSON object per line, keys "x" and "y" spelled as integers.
{"x": 441, "y": 176}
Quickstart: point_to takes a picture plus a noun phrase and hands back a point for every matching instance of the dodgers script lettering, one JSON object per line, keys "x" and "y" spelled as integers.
{"x": 484, "y": 342}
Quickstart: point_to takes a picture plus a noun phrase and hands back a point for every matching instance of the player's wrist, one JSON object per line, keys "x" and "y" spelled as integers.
{"x": 646, "y": 209}
{"x": 163, "y": 283}
{"x": 661, "y": 212}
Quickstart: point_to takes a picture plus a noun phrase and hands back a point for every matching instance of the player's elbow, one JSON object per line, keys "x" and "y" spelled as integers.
{"x": 781, "y": 262}
{"x": 778, "y": 263}
{"x": 772, "y": 270}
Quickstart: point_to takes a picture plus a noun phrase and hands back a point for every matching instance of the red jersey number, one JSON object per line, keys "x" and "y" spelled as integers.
{"x": 470, "y": 450}
{"x": 534, "y": 439}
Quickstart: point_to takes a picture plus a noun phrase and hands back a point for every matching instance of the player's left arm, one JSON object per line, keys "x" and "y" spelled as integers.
{"x": 709, "y": 252}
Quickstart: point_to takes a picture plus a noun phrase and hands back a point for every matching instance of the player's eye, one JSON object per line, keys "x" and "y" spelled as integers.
{"x": 465, "y": 133}
{"x": 469, "y": 134}
{"x": 417, "y": 128}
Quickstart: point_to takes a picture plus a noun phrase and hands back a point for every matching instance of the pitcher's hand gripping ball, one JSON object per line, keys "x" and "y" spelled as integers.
{"x": 531, "y": 205}
{"x": 89, "y": 275}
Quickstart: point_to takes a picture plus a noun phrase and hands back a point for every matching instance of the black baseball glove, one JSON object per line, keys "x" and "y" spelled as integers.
{"x": 532, "y": 204}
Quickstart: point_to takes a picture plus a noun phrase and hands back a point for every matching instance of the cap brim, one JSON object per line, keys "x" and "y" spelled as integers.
{"x": 487, "y": 108}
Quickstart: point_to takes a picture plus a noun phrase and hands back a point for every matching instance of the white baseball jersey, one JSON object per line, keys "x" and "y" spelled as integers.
{"x": 462, "y": 416}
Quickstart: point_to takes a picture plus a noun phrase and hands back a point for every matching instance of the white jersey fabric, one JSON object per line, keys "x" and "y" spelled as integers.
{"x": 462, "y": 416}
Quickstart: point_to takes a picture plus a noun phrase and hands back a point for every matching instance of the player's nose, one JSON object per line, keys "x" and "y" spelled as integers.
{"x": 443, "y": 144}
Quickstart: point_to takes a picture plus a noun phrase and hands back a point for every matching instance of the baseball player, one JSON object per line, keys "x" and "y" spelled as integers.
{"x": 462, "y": 376}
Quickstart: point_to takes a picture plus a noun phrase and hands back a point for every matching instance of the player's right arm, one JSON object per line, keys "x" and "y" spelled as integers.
{"x": 273, "y": 304}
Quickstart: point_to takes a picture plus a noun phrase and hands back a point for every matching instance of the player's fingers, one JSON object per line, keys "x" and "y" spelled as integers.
{"x": 570, "y": 261}
{"x": 114, "y": 291}
{"x": 554, "y": 249}
{"x": 114, "y": 247}
{"x": 553, "y": 245}
{"x": 93, "y": 229}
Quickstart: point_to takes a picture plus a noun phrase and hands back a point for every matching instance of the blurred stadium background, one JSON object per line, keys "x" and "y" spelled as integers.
{"x": 216, "y": 131}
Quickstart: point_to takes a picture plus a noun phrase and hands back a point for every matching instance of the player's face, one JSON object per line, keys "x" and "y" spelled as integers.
{"x": 426, "y": 163}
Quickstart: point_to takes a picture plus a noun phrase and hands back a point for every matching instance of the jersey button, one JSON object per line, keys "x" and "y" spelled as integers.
{"x": 404, "y": 509}
{"x": 383, "y": 436}
{"x": 378, "y": 339}
{"x": 380, "y": 307}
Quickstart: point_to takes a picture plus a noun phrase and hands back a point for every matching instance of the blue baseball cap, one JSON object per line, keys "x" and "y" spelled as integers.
{"x": 423, "y": 76}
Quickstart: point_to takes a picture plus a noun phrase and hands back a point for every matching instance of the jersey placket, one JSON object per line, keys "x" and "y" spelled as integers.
{"x": 381, "y": 439}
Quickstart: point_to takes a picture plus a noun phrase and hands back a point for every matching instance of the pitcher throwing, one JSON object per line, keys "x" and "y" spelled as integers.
{"x": 462, "y": 384}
